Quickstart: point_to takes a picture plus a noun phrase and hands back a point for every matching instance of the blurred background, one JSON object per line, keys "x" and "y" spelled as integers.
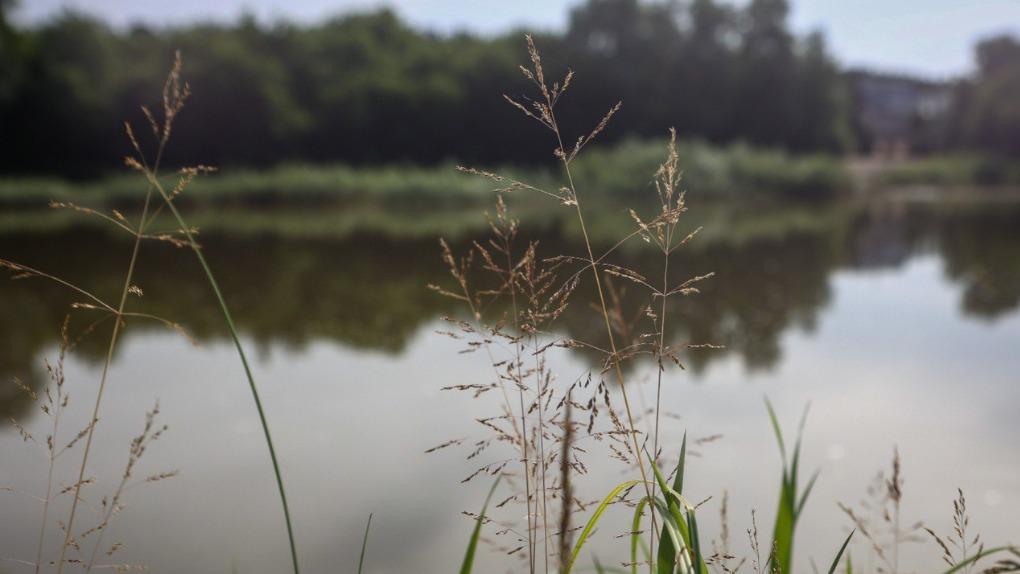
{"x": 855, "y": 165}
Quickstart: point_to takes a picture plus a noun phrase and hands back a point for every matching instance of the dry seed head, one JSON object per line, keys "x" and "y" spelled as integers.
{"x": 134, "y": 164}
{"x": 78, "y": 485}
{"x": 162, "y": 476}
{"x": 174, "y": 95}
{"x": 131, "y": 137}
{"x": 25, "y": 388}
{"x": 583, "y": 141}
{"x": 152, "y": 122}
{"x": 536, "y": 63}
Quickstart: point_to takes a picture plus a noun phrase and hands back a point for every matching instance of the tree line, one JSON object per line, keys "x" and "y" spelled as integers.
{"x": 369, "y": 88}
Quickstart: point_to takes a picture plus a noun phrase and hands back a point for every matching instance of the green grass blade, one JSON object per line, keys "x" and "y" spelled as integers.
{"x": 668, "y": 544}
{"x": 786, "y": 516}
{"x": 849, "y": 564}
{"x": 807, "y": 491}
{"x": 668, "y": 492}
{"x": 590, "y": 526}
{"x": 675, "y": 501}
{"x": 782, "y": 537}
{"x": 364, "y": 544}
{"x": 469, "y": 556}
{"x": 981, "y": 555}
{"x": 835, "y": 561}
{"x": 676, "y": 534}
{"x": 670, "y": 528}
{"x": 659, "y": 478}
{"x": 678, "y": 480}
{"x": 790, "y": 504}
{"x": 795, "y": 463}
{"x": 635, "y": 538}
{"x": 244, "y": 361}
{"x": 697, "y": 559}
{"x": 776, "y": 429}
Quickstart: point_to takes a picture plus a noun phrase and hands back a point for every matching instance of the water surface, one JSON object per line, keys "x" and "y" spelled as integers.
{"x": 897, "y": 322}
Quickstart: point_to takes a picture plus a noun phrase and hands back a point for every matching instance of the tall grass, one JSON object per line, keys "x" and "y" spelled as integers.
{"x": 175, "y": 94}
{"x": 53, "y": 401}
{"x": 791, "y": 498}
{"x": 544, "y": 296}
{"x": 518, "y": 341}
{"x": 171, "y": 102}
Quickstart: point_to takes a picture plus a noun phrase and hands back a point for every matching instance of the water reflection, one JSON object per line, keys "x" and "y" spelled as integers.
{"x": 368, "y": 292}
{"x": 892, "y": 319}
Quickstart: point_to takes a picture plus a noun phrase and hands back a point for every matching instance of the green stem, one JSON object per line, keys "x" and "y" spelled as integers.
{"x": 244, "y": 361}
{"x": 364, "y": 544}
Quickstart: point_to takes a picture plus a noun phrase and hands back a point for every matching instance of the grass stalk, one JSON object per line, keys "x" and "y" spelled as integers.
{"x": 511, "y": 283}
{"x": 46, "y": 506}
{"x": 540, "y": 379}
{"x": 228, "y": 318}
{"x": 506, "y": 230}
{"x": 543, "y": 112}
{"x": 605, "y": 316}
{"x": 523, "y": 434}
{"x": 566, "y": 487}
{"x": 662, "y": 344}
{"x": 57, "y": 409}
{"x": 174, "y": 96}
{"x": 469, "y": 554}
{"x": 118, "y": 320}
{"x": 364, "y": 545}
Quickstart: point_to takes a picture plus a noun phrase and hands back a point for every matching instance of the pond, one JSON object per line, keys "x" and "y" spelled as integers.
{"x": 898, "y": 322}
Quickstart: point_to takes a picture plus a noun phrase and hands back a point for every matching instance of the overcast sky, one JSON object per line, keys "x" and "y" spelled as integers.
{"x": 929, "y": 37}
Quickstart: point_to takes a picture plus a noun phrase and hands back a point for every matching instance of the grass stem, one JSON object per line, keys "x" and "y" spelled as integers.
{"x": 244, "y": 361}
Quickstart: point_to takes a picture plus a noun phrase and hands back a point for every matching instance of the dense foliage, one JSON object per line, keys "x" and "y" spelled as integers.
{"x": 367, "y": 88}
{"x": 988, "y": 105}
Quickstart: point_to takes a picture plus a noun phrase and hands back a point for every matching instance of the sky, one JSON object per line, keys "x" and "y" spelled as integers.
{"x": 931, "y": 38}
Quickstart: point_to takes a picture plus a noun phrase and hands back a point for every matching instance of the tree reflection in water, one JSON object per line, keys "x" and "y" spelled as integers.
{"x": 368, "y": 292}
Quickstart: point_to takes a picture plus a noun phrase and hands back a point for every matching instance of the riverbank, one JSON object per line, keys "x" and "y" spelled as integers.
{"x": 735, "y": 170}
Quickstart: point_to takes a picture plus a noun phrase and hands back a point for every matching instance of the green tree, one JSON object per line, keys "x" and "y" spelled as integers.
{"x": 63, "y": 111}
{"x": 369, "y": 88}
{"x": 992, "y": 100}
{"x": 765, "y": 103}
{"x": 11, "y": 57}
{"x": 821, "y": 118}
{"x": 708, "y": 59}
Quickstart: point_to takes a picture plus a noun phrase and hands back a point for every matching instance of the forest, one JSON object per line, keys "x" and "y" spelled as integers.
{"x": 367, "y": 88}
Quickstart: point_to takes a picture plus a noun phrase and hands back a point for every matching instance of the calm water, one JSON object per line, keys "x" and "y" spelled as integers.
{"x": 898, "y": 323}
